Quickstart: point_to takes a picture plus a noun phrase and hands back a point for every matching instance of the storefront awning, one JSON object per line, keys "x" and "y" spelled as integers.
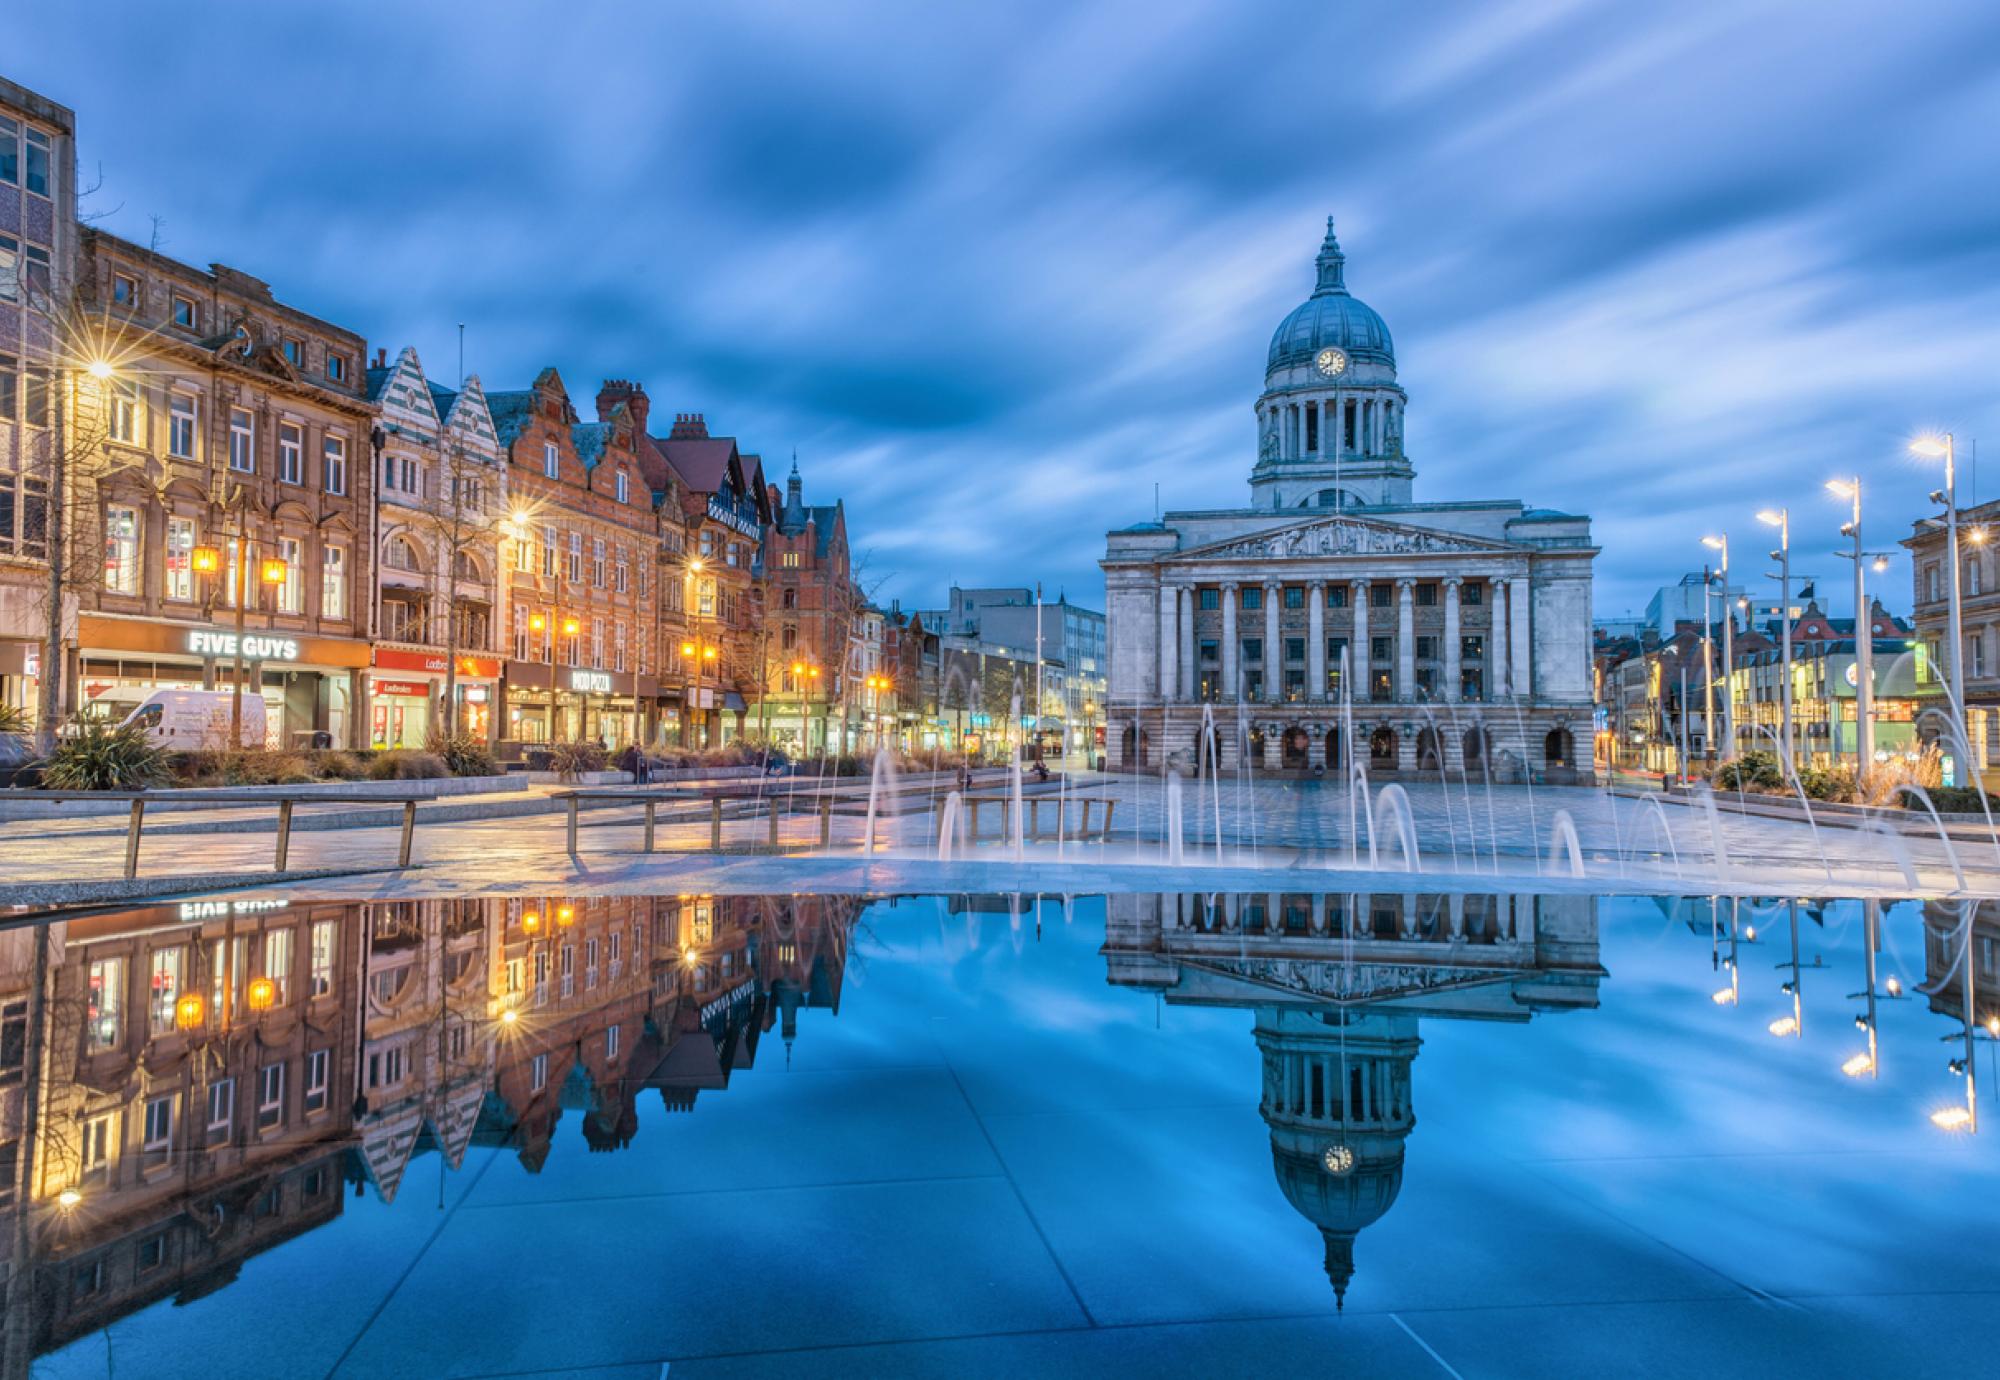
{"x": 733, "y": 702}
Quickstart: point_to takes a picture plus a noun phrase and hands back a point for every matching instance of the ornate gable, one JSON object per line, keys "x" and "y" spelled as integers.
{"x": 1343, "y": 536}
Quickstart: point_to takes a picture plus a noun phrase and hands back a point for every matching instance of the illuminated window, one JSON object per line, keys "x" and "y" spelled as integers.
{"x": 121, "y": 550}
{"x": 333, "y": 582}
{"x": 124, "y": 419}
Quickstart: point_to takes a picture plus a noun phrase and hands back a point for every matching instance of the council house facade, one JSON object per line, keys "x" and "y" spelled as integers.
{"x": 1456, "y": 636}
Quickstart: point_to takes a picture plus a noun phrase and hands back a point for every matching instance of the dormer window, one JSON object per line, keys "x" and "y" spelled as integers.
{"x": 336, "y": 366}
{"x": 124, "y": 291}
{"x": 184, "y": 313}
{"x": 624, "y": 488}
{"x": 295, "y": 351}
{"x": 551, "y": 467}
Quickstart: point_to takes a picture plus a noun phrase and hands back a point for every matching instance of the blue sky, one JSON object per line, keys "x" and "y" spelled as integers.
{"x": 996, "y": 272}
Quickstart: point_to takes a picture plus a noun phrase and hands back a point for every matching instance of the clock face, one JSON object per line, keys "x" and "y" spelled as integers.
{"x": 1331, "y": 362}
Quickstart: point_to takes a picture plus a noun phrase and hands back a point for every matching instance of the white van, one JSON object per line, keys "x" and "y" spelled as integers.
{"x": 184, "y": 720}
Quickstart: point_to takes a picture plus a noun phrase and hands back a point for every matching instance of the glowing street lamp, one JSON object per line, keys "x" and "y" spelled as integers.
{"x": 272, "y": 570}
{"x": 99, "y": 369}
{"x": 68, "y": 1199}
{"x": 190, "y": 1011}
{"x": 261, "y": 993}
{"x": 1720, "y": 544}
{"x": 1864, "y": 632}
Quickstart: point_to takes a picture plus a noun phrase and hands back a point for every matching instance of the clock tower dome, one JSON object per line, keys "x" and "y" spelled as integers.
{"x": 1330, "y": 420}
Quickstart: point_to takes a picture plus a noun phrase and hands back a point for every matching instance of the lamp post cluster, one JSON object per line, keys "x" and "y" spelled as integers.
{"x": 1780, "y": 518}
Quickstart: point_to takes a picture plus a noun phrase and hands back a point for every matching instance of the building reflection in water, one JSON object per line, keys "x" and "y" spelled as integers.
{"x": 1339, "y": 986}
{"x": 207, "y": 1076}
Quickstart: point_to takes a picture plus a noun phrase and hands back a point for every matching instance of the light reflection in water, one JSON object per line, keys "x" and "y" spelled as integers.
{"x": 218, "y": 1073}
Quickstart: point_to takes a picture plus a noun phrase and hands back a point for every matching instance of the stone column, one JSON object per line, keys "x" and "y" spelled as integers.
{"x": 1357, "y": 645}
{"x": 1519, "y": 639}
{"x": 1496, "y": 644}
{"x": 1232, "y": 685}
{"x": 1452, "y": 668}
{"x": 1190, "y": 671}
{"x": 1274, "y": 666}
{"x": 1169, "y": 653}
{"x": 1406, "y": 640}
{"x": 1316, "y": 638}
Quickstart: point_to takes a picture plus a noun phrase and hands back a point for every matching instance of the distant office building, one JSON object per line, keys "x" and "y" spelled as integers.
{"x": 1010, "y": 624}
{"x": 1683, "y": 603}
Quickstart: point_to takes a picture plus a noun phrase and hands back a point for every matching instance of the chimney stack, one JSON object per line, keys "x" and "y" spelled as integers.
{"x": 688, "y": 426}
{"x": 633, "y": 395}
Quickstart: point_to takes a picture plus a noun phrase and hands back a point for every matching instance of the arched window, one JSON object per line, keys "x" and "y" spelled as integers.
{"x": 401, "y": 554}
{"x": 465, "y": 566}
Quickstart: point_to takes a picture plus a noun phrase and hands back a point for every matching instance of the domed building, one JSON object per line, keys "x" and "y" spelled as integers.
{"x": 1337, "y": 582}
{"x": 1338, "y": 986}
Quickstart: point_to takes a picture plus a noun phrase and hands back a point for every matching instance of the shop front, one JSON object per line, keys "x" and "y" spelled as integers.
{"x": 571, "y": 704}
{"x": 22, "y": 630}
{"x": 311, "y": 686}
{"x": 406, "y": 696}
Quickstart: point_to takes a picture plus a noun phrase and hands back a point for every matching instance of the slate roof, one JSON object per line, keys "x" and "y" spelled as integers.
{"x": 511, "y": 411}
{"x": 591, "y": 438}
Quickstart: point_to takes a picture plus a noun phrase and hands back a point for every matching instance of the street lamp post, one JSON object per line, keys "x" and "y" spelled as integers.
{"x": 1864, "y": 632}
{"x": 1721, "y": 544}
{"x": 1935, "y": 448}
{"x": 272, "y": 572}
{"x": 1781, "y": 518}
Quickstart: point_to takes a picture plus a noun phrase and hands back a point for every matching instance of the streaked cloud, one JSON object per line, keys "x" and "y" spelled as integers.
{"x": 995, "y": 274}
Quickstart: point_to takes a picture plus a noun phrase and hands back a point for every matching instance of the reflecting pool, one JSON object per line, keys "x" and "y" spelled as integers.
{"x": 1424, "y": 1134}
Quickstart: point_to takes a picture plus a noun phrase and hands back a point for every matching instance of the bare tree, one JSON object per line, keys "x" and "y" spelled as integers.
{"x": 78, "y": 392}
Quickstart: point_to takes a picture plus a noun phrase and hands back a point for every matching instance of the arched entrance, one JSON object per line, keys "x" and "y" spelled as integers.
{"x": 1136, "y": 742}
{"x": 1558, "y": 747}
{"x": 1430, "y": 752}
{"x": 1255, "y": 746}
{"x": 1382, "y": 749}
{"x": 1475, "y": 749}
{"x": 1333, "y": 758}
{"x": 1292, "y": 749}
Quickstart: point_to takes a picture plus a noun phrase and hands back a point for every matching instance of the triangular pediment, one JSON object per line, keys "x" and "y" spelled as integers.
{"x": 1343, "y": 536}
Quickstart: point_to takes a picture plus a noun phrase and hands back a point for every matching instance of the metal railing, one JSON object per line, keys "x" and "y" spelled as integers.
{"x": 1033, "y": 828}
{"x": 773, "y": 808}
{"x": 139, "y": 800}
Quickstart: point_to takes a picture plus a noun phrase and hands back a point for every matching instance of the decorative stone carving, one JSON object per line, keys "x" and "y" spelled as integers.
{"x": 1341, "y": 537}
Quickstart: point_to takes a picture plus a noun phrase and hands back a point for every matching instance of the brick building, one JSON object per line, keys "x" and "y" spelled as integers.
{"x": 727, "y": 507}
{"x": 230, "y": 496}
{"x": 811, "y": 608}
{"x": 580, "y": 568}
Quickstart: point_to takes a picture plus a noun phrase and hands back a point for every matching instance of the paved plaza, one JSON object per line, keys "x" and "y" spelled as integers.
{"x": 1306, "y": 832}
